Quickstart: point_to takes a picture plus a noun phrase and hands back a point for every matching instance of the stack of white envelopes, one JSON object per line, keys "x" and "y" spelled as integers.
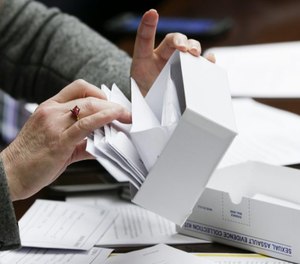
{"x": 179, "y": 133}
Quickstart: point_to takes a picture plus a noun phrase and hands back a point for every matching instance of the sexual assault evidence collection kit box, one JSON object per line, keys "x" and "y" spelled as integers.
{"x": 251, "y": 205}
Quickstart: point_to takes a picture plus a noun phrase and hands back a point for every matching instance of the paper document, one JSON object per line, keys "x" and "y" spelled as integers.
{"x": 228, "y": 258}
{"x": 61, "y": 225}
{"x": 54, "y": 256}
{"x": 160, "y": 254}
{"x": 134, "y": 225}
{"x": 262, "y": 70}
{"x": 266, "y": 134}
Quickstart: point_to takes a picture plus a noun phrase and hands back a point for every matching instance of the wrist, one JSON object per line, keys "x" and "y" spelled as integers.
{"x": 14, "y": 185}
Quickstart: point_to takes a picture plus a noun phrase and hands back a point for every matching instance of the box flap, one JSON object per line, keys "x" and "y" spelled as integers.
{"x": 250, "y": 178}
{"x": 212, "y": 101}
{"x": 176, "y": 181}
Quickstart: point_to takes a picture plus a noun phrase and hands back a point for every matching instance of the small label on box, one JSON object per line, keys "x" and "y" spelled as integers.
{"x": 237, "y": 213}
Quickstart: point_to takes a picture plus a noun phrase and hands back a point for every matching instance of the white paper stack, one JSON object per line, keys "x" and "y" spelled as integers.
{"x": 179, "y": 133}
{"x": 268, "y": 70}
{"x": 129, "y": 151}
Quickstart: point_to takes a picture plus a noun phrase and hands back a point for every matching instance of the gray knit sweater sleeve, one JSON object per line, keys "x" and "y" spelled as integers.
{"x": 9, "y": 233}
{"x": 42, "y": 50}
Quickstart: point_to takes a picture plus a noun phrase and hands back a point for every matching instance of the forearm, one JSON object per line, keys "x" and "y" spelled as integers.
{"x": 42, "y": 50}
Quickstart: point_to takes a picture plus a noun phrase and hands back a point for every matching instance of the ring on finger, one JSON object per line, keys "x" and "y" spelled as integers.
{"x": 75, "y": 112}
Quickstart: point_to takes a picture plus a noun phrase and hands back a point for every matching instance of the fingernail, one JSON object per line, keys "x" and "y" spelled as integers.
{"x": 153, "y": 10}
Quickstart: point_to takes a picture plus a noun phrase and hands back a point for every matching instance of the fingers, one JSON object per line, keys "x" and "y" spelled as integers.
{"x": 194, "y": 47}
{"x": 89, "y": 107}
{"x": 80, "y": 152}
{"x": 145, "y": 37}
{"x": 92, "y": 113}
{"x": 86, "y": 125}
{"x": 178, "y": 41}
{"x": 78, "y": 89}
{"x": 211, "y": 57}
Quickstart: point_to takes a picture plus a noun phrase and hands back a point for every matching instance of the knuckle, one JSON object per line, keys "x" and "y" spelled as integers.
{"x": 109, "y": 114}
{"x": 91, "y": 105}
{"x": 80, "y": 83}
{"x": 180, "y": 35}
{"x": 170, "y": 35}
{"x": 42, "y": 112}
{"x": 84, "y": 125}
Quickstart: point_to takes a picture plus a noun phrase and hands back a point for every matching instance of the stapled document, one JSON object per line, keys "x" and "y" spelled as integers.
{"x": 134, "y": 226}
{"x": 61, "y": 225}
{"x": 54, "y": 256}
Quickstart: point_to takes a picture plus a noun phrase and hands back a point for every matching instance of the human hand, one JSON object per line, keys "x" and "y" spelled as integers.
{"x": 147, "y": 62}
{"x": 52, "y": 138}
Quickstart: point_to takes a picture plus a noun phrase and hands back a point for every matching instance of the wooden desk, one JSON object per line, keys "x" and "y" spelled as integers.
{"x": 256, "y": 21}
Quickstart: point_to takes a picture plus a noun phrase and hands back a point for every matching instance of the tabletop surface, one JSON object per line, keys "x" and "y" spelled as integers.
{"x": 256, "y": 21}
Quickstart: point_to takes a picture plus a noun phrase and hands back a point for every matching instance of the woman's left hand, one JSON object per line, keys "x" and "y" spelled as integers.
{"x": 53, "y": 138}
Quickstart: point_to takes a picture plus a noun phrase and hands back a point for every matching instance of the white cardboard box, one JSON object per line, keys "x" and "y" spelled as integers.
{"x": 252, "y": 205}
{"x": 204, "y": 132}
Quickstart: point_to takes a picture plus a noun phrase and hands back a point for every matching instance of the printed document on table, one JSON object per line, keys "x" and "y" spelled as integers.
{"x": 61, "y": 225}
{"x": 262, "y": 70}
{"x": 54, "y": 256}
{"x": 265, "y": 134}
{"x": 229, "y": 258}
{"x": 158, "y": 254}
{"x": 134, "y": 225}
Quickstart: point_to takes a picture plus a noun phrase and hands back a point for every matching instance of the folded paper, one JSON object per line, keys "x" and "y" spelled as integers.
{"x": 179, "y": 133}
